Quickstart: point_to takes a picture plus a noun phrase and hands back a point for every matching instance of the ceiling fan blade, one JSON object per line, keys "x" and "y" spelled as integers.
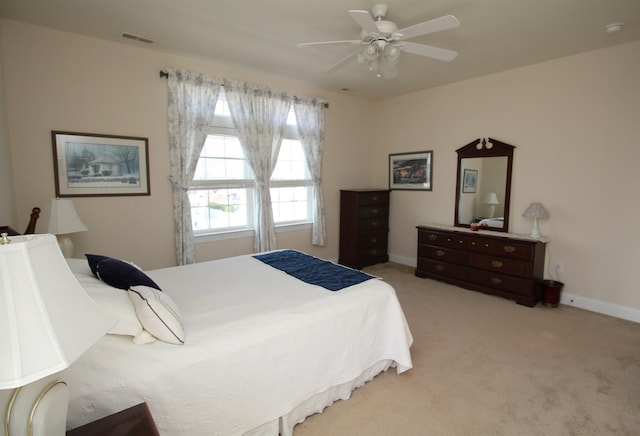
{"x": 426, "y": 50}
{"x": 363, "y": 18}
{"x": 342, "y": 62}
{"x": 431, "y": 26}
{"x": 349, "y": 41}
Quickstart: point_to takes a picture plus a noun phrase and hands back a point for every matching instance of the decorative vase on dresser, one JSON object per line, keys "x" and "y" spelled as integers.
{"x": 364, "y": 227}
{"x": 497, "y": 263}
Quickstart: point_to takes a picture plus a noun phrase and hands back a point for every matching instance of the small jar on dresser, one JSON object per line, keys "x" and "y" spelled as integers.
{"x": 504, "y": 264}
{"x": 364, "y": 227}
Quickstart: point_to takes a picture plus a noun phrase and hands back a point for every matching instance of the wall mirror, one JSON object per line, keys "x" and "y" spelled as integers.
{"x": 483, "y": 187}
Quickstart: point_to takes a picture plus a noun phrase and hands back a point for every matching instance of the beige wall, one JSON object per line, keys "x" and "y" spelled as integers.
{"x": 7, "y": 206}
{"x": 575, "y": 123}
{"x": 60, "y": 81}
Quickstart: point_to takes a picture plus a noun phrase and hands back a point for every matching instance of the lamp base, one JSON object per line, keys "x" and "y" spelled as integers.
{"x": 535, "y": 232}
{"x": 66, "y": 246}
{"x": 40, "y": 407}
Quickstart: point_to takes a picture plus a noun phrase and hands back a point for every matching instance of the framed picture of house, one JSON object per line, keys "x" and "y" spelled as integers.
{"x": 469, "y": 181}
{"x": 93, "y": 165}
{"x": 411, "y": 171}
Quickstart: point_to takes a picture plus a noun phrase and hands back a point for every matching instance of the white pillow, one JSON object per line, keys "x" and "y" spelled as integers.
{"x": 117, "y": 304}
{"x": 157, "y": 313}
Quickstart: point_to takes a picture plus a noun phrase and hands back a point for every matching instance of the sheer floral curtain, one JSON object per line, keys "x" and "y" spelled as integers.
{"x": 260, "y": 115}
{"x": 310, "y": 120}
{"x": 192, "y": 102}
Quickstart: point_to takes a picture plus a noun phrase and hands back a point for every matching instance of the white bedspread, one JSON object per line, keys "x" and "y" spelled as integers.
{"x": 259, "y": 344}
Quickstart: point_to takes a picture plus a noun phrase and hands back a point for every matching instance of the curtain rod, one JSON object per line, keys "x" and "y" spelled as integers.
{"x": 164, "y": 74}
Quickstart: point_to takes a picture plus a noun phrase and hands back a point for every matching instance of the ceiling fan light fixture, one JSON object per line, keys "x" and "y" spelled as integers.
{"x": 391, "y": 52}
{"x": 371, "y": 52}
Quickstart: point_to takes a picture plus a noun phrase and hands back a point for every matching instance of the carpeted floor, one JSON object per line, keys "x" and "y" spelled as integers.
{"x": 484, "y": 365}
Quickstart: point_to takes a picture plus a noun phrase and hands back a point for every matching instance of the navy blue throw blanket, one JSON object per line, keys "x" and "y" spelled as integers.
{"x": 312, "y": 270}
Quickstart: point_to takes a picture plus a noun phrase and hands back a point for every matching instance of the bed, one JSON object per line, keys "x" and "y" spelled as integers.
{"x": 262, "y": 349}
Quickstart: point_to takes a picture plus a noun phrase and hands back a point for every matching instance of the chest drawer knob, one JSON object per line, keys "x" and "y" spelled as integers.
{"x": 374, "y": 223}
{"x": 374, "y": 198}
{"x": 496, "y": 264}
{"x": 439, "y": 268}
{"x": 374, "y": 211}
{"x": 496, "y": 280}
{"x": 509, "y": 248}
{"x": 432, "y": 237}
{"x": 439, "y": 253}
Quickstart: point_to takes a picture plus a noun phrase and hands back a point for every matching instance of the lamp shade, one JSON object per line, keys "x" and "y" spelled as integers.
{"x": 47, "y": 320}
{"x": 63, "y": 218}
{"x": 492, "y": 198}
{"x": 535, "y": 210}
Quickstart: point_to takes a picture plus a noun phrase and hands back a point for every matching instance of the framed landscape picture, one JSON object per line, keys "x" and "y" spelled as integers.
{"x": 92, "y": 165}
{"x": 411, "y": 171}
{"x": 469, "y": 181}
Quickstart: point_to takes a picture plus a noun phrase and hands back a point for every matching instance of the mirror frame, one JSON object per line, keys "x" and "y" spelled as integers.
{"x": 482, "y": 147}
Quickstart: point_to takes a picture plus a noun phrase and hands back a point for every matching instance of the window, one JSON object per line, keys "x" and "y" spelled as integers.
{"x": 222, "y": 193}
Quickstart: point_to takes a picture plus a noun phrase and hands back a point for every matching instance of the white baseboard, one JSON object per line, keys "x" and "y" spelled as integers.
{"x": 578, "y": 301}
{"x": 602, "y": 307}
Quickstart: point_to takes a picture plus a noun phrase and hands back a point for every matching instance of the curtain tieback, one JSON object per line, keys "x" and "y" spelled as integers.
{"x": 176, "y": 185}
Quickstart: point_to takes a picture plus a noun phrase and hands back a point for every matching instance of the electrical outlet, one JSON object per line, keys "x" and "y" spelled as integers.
{"x": 559, "y": 267}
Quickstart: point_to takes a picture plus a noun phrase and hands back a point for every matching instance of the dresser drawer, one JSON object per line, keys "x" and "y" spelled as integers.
{"x": 372, "y": 225}
{"x": 442, "y": 254}
{"x": 503, "y": 265}
{"x": 442, "y": 239}
{"x": 372, "y": 198}
{"x": 442, "y": 268}
{"x": 381, "y": 210}
{"x": 500, "y": 247}
{"x": 503, "y": 282}
{"x": 371, "y": 239}
{"x": 372, "y": 252}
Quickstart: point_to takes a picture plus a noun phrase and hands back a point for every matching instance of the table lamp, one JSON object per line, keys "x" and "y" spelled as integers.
{"x": 535, "y": 211}
{"x": 62, "y": 220}
{"x": 47, "y": 321}
{"x": 491, "y": 200}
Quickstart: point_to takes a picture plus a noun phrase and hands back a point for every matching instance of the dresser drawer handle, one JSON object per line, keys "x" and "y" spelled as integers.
{"x": 473, "y": 243}
{"x": 374, "y": 211}
{"x": 374, "y": 223}
{"x": 496, "y": 280}
{"x": 374, "y": 198}
{"x": 461, "y": 241}
{"x": 496, "y": 264}
{"x": 432, "y": 237}
{"x": 439, "y": 253}
{"x": 439, "y": 268}
{"x": 509, "y": 248}
{"x": 486, "y": 245}
{"x": 374, "y": 240}
{"x": 448, "y": 239}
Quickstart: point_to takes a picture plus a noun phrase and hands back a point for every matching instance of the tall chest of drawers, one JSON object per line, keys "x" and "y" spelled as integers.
{"x": 364, "y": 227}
{"x": 511, "y": 266}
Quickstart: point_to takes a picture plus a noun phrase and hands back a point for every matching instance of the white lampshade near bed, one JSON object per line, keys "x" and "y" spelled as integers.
{"x": 61, "y": 221}
{"x": 47, "y": 321}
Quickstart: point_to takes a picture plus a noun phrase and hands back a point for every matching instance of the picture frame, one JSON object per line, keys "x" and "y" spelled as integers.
{"x": 469, "y": 181}
{"x": 96, "y": 165}
{"x": 411, "y": 171}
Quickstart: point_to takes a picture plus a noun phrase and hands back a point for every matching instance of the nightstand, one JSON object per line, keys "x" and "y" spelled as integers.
{"x": 134, "y": 421}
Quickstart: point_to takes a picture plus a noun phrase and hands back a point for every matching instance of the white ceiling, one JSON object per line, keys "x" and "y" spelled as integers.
{"x": 494, "y": 35}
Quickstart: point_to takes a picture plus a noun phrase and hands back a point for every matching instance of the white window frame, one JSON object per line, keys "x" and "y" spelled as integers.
{"x": 223, "y": 125}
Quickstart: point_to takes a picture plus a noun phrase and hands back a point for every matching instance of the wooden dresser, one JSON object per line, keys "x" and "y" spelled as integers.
{"x": 504, "y": 264}
{"x": 364, "y": 227}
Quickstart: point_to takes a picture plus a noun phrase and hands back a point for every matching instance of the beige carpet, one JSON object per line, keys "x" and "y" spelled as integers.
{"x": 484, "y": 365}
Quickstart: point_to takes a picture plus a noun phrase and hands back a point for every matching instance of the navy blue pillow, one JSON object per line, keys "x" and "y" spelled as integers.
{"x": 122, "y": 275}
{"x": 93, "y": 260}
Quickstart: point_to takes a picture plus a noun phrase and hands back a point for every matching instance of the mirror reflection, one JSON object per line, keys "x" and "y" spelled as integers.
{"x": 483, "y": 185}
{"x": 482, "y": 196}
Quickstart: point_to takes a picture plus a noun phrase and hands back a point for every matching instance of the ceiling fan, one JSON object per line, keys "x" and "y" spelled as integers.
{"x": 381, "y": 41}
